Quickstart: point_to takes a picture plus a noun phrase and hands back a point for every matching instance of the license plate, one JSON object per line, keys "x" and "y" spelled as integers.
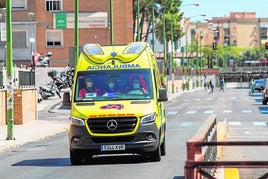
{"x": 112, "y": 147}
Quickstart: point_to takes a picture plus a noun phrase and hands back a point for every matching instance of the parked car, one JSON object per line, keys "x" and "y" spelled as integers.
{"x": 265, "y": 93}
{"x": 259, "y": 84}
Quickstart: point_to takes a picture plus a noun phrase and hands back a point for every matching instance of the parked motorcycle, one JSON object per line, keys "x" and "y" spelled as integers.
{"x": 59, "y": 81}
{"x": 49, "y": 90}
{"x": 42, "y": 61}
{"x": 63, "y": 79}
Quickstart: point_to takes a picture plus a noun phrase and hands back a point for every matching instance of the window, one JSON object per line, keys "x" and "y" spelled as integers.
{"x": 19, "y": 4}
{"x": 53, "y": 5}
{"x": 128, "y": 85}
{"x": 54, "y": 38}
{"x": 19, "y": 39}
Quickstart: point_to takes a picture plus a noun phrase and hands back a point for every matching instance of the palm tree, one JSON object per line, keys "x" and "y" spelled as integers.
{"x": 170, "y": 16}
{"x": 169, "y": 11}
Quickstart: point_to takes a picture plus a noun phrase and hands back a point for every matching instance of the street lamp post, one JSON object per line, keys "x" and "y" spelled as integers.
{"x": 3, "y": 38}
{"x": 10, "y": 78}
{"x": 76, "y": 33}
{"x": 201, "y": 60}
{"x": 138, "y": 21}
{"x": 31, "y": 39}
{"x": 153, "y": 41}
{"x": 165, "y": 47}
{"x": 172, "y": 57}
{"x": 111, "y": 23}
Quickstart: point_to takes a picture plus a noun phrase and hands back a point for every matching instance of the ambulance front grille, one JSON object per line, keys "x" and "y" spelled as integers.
{"x": 112, "y": 125}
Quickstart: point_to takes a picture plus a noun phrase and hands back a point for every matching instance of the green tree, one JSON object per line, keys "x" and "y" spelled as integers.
{"x": 166, "y": 9}
{"x": 171, "y": 16}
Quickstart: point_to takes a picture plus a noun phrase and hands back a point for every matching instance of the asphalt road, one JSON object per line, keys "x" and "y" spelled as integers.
{"x": 50, "y": 158}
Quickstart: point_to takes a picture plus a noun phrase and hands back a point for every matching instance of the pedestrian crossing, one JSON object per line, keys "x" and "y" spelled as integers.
{"x": 196, "y": 109}
{"x": 262, "y": 110}
{"x": 240, "y": 123}
{"x": 230, "y": 123}
{"x": 245, "y": 111}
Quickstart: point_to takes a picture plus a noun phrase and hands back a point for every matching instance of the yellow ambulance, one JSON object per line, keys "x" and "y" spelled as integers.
{"x": 117, "y": 103}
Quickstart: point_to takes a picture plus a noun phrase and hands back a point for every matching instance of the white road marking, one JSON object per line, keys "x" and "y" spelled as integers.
{"x": 227, "y": 111}
{"x": 190, "y": 112}
{"x": 208, "y": 112}
{"x": 246, "y": 111}
{"x": 172, "y": 113}
{"x": 260, "y": 123}
{"x": 234, "y": 123}
{"x": 185, "y": 124}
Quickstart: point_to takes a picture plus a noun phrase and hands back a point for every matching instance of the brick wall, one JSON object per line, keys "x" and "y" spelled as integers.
{"x": 3, "y": 107}
{"x": 25, "y": 105}
{"x": 122, "y": 25}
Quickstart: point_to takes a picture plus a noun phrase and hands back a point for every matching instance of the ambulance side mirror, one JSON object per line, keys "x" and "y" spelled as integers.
{"x": 162, "y": 95}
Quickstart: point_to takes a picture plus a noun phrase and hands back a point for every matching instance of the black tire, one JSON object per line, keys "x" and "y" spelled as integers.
{"x": 163, "y": 147}
{"x": 156, "y": 155}
{"x": 78, "y": 157}
{"x": 75, "y": 157}
{"x": 44, "y": 96}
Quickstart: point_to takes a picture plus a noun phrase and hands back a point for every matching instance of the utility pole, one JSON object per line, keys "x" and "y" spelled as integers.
{"x": 76, "y": 33}
{"x": 111, "y": 23}
{"x": 10, "y": 80}
{"x": 153, "y": 41}
{"x": 165, "y": 47}
{"x": 172, "y": 55}
{"x": 31, "y": 40}
{"x": 138, "y": 21}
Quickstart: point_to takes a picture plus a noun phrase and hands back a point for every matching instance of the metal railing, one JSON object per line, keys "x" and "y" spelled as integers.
{"x": 26, "y": 79}
{"x": 202, "y": 152}
{"x": 23, "y": 78}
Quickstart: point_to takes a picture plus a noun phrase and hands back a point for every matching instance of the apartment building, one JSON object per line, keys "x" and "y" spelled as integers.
{"x": 241, "y": 29}
{"x": 48, "y": 26}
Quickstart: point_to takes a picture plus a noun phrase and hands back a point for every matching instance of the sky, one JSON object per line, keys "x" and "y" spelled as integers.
{"x": 221, "y": 8}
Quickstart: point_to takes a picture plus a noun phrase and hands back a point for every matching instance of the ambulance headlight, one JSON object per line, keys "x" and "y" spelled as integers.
{"x": 148, "y": 119}
{"x": 77, "y": 122}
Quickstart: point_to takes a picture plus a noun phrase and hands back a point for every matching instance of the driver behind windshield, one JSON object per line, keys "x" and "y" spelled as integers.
{"x": 89, "y": 90}
{"x": 137, "y": 85}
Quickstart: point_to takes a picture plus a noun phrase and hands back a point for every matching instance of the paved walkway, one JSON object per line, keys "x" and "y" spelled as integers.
{"x": 41, "y": 129}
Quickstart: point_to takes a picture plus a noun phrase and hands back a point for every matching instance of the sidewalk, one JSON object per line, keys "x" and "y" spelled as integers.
{"x": 35, "y": 130}
{"x": 41, "y": 129}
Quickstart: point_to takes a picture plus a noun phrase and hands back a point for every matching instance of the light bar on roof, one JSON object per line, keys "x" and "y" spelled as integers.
{"x": 92, "y": 49}
{"x": 135, "y": 48}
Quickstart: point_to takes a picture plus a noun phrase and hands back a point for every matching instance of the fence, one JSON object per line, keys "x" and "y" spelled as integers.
{"x": 26, "y": 78}
{"x": 202, "y": 153}
{"x": 23, "y": 78}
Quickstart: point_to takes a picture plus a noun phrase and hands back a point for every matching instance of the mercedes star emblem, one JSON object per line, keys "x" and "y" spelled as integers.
{"x": 112, "y": 124}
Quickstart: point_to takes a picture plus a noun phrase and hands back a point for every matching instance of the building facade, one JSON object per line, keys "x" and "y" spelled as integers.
{"x": 48, "y": 26}
{"x": 241, "y": 29}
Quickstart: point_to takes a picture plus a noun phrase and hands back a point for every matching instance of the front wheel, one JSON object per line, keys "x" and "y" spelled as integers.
{"x": 163, "y": 147}
{"x": 75, "y": 158}
{"x": 44, "y": 95}
{"x": 155, "y": 156}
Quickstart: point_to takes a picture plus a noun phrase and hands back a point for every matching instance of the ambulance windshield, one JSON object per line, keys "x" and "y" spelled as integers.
{"x": 113, "y": 85}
